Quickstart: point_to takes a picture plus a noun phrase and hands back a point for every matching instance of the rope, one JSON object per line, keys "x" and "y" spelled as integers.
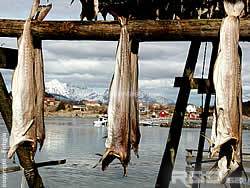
{"x": 202, "y": 74}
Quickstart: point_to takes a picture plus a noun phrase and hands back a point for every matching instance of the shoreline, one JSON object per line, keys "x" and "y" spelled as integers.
{"x": 93, "y": 114}
{"x": 69, "y": 114}
{"x": 187, "y": 123}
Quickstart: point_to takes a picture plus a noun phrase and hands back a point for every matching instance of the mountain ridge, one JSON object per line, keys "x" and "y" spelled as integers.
{"x": 75, "y": 93}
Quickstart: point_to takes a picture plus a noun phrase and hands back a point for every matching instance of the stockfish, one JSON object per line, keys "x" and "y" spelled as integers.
{"x": 28, "y": 87}
{"x": 123, "y": 130}
{"x": 226, "y": 129}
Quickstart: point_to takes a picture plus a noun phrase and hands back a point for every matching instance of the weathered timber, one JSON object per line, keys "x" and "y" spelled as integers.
{"x": 23, "y": 152}
{"x": 203, "y": 85}
{"x": 169, "y": 156}
{"x": 205, "y": 113}
{"x": 8, "y": 58}
{"x": 142, "y": 30}
{"x": 38, "y": 165}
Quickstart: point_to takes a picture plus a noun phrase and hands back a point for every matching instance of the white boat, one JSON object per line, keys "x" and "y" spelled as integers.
{"x": 146, "y": 123}
{"x": 154, "y": 122}
{"x": 102, "y": 121}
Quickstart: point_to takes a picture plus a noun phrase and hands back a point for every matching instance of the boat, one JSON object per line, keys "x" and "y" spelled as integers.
{"x": 102, "y": 121}
{"x": 146, "y": 122}
{"x": 154, "y": 122}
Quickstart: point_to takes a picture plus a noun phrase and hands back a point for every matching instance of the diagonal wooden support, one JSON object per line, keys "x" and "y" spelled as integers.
{"x": 33, "y": 178}
{"x": 205, "y": 114}
{"x": 168, "y": 160}
{"x": 8, "y": 58}
{"x": 206, "y": 109}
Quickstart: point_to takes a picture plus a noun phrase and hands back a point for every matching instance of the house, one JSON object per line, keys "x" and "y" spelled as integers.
{"x": 49, "y": 101}
{"x": 143, "y": 108}
{"x": 163, "y": 114}
{"x": 191, "y": 108}
{"x": 79, "y": 108}
{"x": 92, "y": 104}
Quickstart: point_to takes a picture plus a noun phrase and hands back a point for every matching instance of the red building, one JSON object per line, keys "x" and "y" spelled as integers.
{"x": 163, "y": 114}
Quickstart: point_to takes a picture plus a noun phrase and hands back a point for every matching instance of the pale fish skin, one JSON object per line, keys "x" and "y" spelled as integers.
{"x": 39, "y": 78}
{"x": 23, "y": 94}
{"x": 134, "y": 106}
{"x": 226, "y": 130}
{"x": 123, "y": 130}
{"x": 28, "y": 89}
{"x": 90, "y": 9}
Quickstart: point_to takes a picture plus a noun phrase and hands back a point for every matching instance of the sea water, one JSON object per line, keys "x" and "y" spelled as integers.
{"x": 78, "y": 141}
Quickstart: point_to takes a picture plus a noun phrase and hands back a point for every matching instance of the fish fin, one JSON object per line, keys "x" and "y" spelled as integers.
{"x": 28, "y": 127}
{"x": 116, "y": 155}
{"x": 100, "y": 160}
{"x": 107, "y": 158}
{"x": 34, "y": 9}
{"x": 42, "y": 12}
{"x": 137, "y": 155}
{"x": 40, "y": 144}
{"x": 125, "y": 170}
{"x": 72, "y": 2}
{"x": 136, "y": 152}
{"x": 208, "y": 139}
{"x": 102, "y": 157}
{"x": 98, "y": 154}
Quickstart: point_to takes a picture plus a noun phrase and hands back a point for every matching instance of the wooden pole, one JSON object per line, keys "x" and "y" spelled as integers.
{"x": 38, "y": 165}
{"x": 205, "y": 114}
{"x": 32, "y": 176}
{"x": 142, "y": 30}
{"x": 8, "y": 58}
{"x": 168, "y": 160}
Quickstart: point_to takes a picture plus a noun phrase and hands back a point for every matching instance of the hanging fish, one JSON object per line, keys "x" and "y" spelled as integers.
{"x": 90, "y": 9}
{"x": 123, "y": 130}
{"x": 134, "y": 112}
{"x": 39, "y": 79}
{"x": 27, "y": 99}
{"x": 226, "y": 130}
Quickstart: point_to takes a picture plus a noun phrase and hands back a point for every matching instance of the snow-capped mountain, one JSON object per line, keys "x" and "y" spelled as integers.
{"x": 148, "y": 98}
{"x": 77, "y": 93}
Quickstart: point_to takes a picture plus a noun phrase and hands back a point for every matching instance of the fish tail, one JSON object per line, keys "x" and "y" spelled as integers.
{"x": 41, "y": 142}
{"x": 125, "y": 170}
{"x": 136, "y": 151}
{"x": 14, "y": 147}
{"x": 107, "y": 158}
{"x": 72, "y": 2}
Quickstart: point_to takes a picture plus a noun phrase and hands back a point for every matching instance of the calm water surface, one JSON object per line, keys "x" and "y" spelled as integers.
{"x": 78, "y": 141}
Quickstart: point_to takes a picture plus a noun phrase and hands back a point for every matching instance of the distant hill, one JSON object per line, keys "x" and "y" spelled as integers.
{"x": 66, "y": 92}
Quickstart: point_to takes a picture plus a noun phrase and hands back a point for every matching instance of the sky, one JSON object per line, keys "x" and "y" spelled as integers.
{"x": 91, "y": 63}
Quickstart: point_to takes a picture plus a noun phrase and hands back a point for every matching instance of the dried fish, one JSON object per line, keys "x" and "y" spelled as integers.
{"x": 39, "y": 80}
{"x": 134, "y": 113}
{"x": 28, "y": 90}
{"x": 123, "y": 131}
{"x": 23, "y": 93}
{"x": 226, "y": 130}
{"x": 90, "y": 9}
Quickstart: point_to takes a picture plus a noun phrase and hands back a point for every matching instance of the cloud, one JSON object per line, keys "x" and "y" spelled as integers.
{"x": 91, "y": 63}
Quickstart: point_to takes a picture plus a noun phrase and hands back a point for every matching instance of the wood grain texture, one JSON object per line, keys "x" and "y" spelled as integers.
{"x": 142, "y": 30}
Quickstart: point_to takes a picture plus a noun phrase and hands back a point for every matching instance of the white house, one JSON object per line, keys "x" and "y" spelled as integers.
{"x": 191, "y": 108}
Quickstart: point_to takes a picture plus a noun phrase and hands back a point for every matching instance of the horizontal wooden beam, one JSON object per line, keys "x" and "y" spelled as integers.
{"x": 38, "y": 165}
{"x": 143, "y": 30}
{"x": 203, "y": 85}
{"x": 8, "y": 58}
